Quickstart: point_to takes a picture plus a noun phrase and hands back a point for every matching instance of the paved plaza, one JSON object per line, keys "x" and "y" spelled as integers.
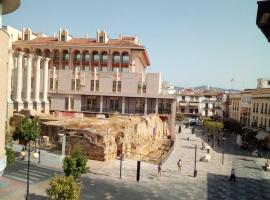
{"x": 211, "y": 183}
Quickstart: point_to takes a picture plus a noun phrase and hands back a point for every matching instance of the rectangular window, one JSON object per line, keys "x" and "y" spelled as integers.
{"x": 72, "y": 84}
{"x": 144, "y": 88}
{"x": 104, "y": 69}
{"x": 66, "y": 103}
{"x": 86, "y": 68}
{"x": 190, "y": 110}
{"x": 119, "y": 86}
{"x": 92, "y": 85}
{"x": 183, "y": 98}
{"x": 26, "y": 36}
{"x": 139, "y": 87}
{"x": 66, "y": 67}
{"x": 101, "y": 39}
{"x": 97, "y": 85}
{"x": 182, "y": 110}
{"x": 63, "y": 38}
{"x": 56, "y": 84}
{"x": 114, "y": 86}
{"x": 125, "y": 70}
{"x": 115, "y": 69}
{"x": 78, "y": 84}
{"x": 72, "y": 103}
{"x": 51, "y": 83}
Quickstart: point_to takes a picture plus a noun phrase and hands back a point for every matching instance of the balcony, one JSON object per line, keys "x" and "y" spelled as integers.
{"x": 193, "y": 104}
{"x": 263, "y": 18}
{"x": 183, "y": 104}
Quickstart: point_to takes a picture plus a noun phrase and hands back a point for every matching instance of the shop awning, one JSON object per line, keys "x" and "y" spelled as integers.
{"x": 261, "y": 135}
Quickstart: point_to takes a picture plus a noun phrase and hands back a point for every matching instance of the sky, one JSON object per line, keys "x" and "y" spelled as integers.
{"x": 191, "y": 43}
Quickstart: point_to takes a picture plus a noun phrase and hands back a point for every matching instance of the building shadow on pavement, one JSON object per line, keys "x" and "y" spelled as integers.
{"x": 33, "y": 196}
{"x": 219, "y": 187}
{"x": 98, "y": 189}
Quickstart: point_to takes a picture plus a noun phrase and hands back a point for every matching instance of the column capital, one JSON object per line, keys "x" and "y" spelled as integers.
{"x": 20, "y": 53}
{"x": 10, "y": 51}
{"x": 38, "y": 58}
{"x": 46, "y": 60}
{"x": 30, "y": 56}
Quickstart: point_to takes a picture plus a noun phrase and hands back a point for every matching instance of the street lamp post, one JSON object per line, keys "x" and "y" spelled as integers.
{"x": 35, "y": 155}
{"x": 223, "y": 139}
{"x": 195, "y": 170}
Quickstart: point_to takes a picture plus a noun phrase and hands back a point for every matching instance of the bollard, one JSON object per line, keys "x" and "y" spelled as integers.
{"x": 121, "y": 159}
{"x": 195, "y": 170}
{"x": 138, "y": 170}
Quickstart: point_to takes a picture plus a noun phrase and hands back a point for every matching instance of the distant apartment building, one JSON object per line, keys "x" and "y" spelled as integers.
{"x": 90, "y": 75}
{"x": 252, "y": 107}
{"x": 213, "y": 104}
{"x": 193, "y": 103}
{"x": 188, "y": 103}
{"x": 167, "y": 88}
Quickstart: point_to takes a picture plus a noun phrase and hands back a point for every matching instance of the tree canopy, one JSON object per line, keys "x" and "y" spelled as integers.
{"x": 213, "y": 127}
{"x": 28, "y": 129}
{"x": 63, "y": 188}
{"x": 76, "y": 164}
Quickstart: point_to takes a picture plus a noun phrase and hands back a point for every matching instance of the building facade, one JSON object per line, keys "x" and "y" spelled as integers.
{"x": 194, "y": 104}
{"x": 251, "y": 107}
{"x": 5, "y": 8}
{"x": 90, "y": 75}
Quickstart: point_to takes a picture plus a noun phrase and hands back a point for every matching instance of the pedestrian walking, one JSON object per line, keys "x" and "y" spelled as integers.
{"x": 179, "y": 165}
{"x": 232, "y": 177}
{"x": 179, "y": 129}
{"x": 159, "y": 169}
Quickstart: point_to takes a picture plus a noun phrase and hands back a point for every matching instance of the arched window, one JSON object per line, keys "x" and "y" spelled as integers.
{"x": 104, "y": 57}
{"x": 85, "y": 56}
{"x": 116, "y": 57}
{"x": 95, "y": 56}
{"x": 66, "y": 55}
{"x": 38, "y": 52}
{"x": 125, "y": 57}
{"x": 47, "y": 53}
{"x": 77, "y": 55}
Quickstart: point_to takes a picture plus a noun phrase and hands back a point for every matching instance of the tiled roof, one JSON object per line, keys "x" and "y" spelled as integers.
{"x": 79, "y": 41}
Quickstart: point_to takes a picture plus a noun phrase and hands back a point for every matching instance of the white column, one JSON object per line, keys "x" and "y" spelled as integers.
{"x": 145, "y": 106}
{"x": 37, "y": 79}
{"x": 14, "y": 78}
{"x": 19, "y": 77}
{"x": 45, "y": 80}
{"x": 29, "y": 78}
{"x": 156, "y": 108}
{"x": 123, "y": 105}
{"x": 10, "y": 66}
{"x": 101, "y": 104}
{"x": 1, "y": 11}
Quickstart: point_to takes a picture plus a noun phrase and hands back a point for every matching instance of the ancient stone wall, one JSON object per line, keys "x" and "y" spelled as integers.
{"x": 103, "y": 139}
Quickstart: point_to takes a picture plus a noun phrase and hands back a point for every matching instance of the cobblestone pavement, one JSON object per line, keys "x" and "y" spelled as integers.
{"x": 211, "y": 182}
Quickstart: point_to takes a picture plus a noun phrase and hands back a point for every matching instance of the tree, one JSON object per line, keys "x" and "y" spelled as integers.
{"x": 63, "y": 188}
{"x": 27, "y": 130}
{"x": 179, "y": 117}
{"x": 76, "y": 164}
{"x": 10, "y": 156}
{"x": 213, "y": 127}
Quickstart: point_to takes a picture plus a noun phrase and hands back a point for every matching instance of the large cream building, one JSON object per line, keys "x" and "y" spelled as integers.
{"x": 89, "y": 75}
{"x": 252, "y": 107}
{"x": 6, "y": 6}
